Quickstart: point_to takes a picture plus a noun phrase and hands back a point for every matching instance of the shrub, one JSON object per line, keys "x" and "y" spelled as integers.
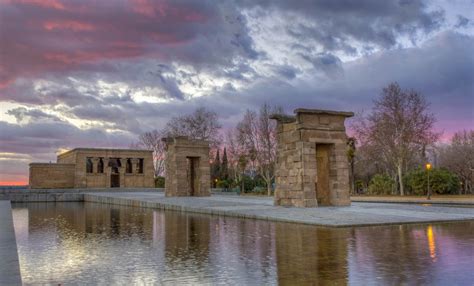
{"x": 381, "y": 184}
{"x": 359, "y": 186}
{"x": 259, "y": 191}
{"x": 441, "y": 182}
{"x": 225, "y": 184}
{"x": 250, "y": 183}
{"x": 160, "y": 182}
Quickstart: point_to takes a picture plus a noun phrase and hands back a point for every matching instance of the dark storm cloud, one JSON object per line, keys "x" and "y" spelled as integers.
{"x": 22, "y": 114}
{"x": 442, "y": 69}
{"x": 336, "y": 25}
{"x": 46, "y": 137}
{"x": 38, "y": 38}
{"x": 462, "y": 22}
{"x": 328, "y": 63}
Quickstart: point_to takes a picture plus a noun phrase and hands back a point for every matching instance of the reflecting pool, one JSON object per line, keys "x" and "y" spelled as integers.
{"x": 86, "y": 243}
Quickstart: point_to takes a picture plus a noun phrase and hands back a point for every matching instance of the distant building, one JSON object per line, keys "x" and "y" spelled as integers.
{"x": 95, "y": 168}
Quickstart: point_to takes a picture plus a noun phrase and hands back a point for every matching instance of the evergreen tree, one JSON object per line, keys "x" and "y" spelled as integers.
{"x": 224, "y": 169}
{"x": 216, "y": 168}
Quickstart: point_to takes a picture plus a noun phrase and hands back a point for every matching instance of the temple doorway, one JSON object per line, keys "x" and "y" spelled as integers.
{"x": 193, "y": 180}
{"x": 115, "y": 180}
{"x": 323, "y": 170}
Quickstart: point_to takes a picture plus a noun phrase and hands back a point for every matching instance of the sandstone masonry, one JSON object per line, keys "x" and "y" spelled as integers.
{"x": 187, "y": 167}
{"x": 312, "y": 167}
{"x": 95, "y": 168}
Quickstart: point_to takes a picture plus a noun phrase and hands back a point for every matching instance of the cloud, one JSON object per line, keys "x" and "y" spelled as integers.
{"x": 93, "y": 74}
{"x": 441, "y": 69}
{"x": 462, "y": 22}
{"x": 343, "y": 25}
{"x": 37, "y": 38}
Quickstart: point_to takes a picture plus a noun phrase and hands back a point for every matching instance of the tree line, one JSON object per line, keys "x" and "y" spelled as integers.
{"x": 387, "y": 152}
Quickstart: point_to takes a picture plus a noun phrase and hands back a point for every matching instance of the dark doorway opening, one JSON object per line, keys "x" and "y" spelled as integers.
{"x": 193, "y": 180}
{"x": 323, "y": 171}
{"x": 115, "y": 180}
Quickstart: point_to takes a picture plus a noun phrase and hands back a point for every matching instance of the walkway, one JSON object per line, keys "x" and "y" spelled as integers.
{"x": 440, "y": 199}
{"x": 358, "y": 214}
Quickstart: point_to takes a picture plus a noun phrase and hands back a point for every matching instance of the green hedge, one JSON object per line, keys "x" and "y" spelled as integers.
{"x": 381, "y": 184}
{"x": 441, "y": 182}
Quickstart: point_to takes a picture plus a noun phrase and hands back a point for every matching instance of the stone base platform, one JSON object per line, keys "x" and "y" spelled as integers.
{"x": 358, "y": 214}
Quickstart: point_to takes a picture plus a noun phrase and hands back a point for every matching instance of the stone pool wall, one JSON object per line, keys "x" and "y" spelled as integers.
{"x": 58, "y": 195}
{"x": 9, "y": 262}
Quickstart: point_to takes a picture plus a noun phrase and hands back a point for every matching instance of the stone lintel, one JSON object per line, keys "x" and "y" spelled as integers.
{"x": 325, "y": 112}
{"x": 322, "y": 128}
{"x": 283, "y": 118}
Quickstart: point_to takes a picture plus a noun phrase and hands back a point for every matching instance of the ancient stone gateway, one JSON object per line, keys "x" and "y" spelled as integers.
{"x": 312, "y": 167}
{"x": 187, "y": 167}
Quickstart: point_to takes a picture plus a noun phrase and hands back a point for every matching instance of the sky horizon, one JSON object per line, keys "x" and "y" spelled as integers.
{"x": 97, "y": 74}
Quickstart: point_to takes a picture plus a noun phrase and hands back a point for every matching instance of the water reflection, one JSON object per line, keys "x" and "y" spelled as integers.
{"x": 307, "y": 254}
{"x": 431, "y": 242}
{"x": 71, "y": 243}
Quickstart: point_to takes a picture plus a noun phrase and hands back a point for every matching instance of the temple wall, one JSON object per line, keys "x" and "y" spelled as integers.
{"x": 71, "y": 170}
{"x": 51, "y": 175}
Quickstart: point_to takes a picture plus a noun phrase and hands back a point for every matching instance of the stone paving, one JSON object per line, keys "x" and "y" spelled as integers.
{"x": 9, "y": 263}
{"x": 452, "y": 200}
{"x": 358, "y": 214}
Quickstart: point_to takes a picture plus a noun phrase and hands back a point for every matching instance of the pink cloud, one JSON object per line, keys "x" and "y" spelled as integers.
{"x": 62, "y": 38}
{"x": 68, "y": 25}
{"x": 54, "y": 4}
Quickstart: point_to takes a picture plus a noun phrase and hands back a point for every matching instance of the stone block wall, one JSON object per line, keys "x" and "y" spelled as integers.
{"x": 296, "y": 175}
{"x": 102, "y": 180}
{"x": 51, "y": 175}
{"x": 179, "y": 152}
{"x": 70, "y": 171}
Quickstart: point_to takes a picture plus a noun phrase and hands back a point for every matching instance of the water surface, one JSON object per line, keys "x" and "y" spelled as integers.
{"x": 86, "y": 243}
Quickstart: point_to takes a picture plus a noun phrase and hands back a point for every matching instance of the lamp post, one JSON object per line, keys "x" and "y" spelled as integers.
{"x": 428, "y": 168}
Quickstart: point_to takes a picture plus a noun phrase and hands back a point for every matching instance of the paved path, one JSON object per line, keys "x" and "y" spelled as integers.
{"x": 9, "y": 263}
{"x": 358, "y": 214}
{"x": 456, "y": 200}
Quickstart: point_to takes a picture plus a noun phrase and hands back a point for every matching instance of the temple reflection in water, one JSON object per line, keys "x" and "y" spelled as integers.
{"x": 84, "y": 243}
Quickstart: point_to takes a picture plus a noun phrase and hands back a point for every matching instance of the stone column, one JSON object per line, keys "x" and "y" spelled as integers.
{"x": 95, "y": 165}
{"x": 123, "y": 163}
{"x": 135, "y": 166}
{"x": 107, "y": 171}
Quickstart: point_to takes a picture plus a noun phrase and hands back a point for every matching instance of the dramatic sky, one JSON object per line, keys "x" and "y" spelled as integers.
{"x": 98, "y": 73}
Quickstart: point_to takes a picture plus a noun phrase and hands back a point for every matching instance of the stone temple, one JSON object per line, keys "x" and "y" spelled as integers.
{"x": 95, "y": 168}
{"x": 187, "y": 167}
{"x": 312, "y": 166}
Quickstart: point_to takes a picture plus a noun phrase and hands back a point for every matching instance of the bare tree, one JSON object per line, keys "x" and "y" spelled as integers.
{"x": 201, "y": 124}
{"x": 399, "y": 127}
{"x": 458, "y": 157}
{"x": 237, "y": 157}
{"x": 152, "y": 141}
{"x": 257, "y": 134}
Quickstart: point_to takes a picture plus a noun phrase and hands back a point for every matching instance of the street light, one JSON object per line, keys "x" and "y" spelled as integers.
{"x": 428, "y": 168}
